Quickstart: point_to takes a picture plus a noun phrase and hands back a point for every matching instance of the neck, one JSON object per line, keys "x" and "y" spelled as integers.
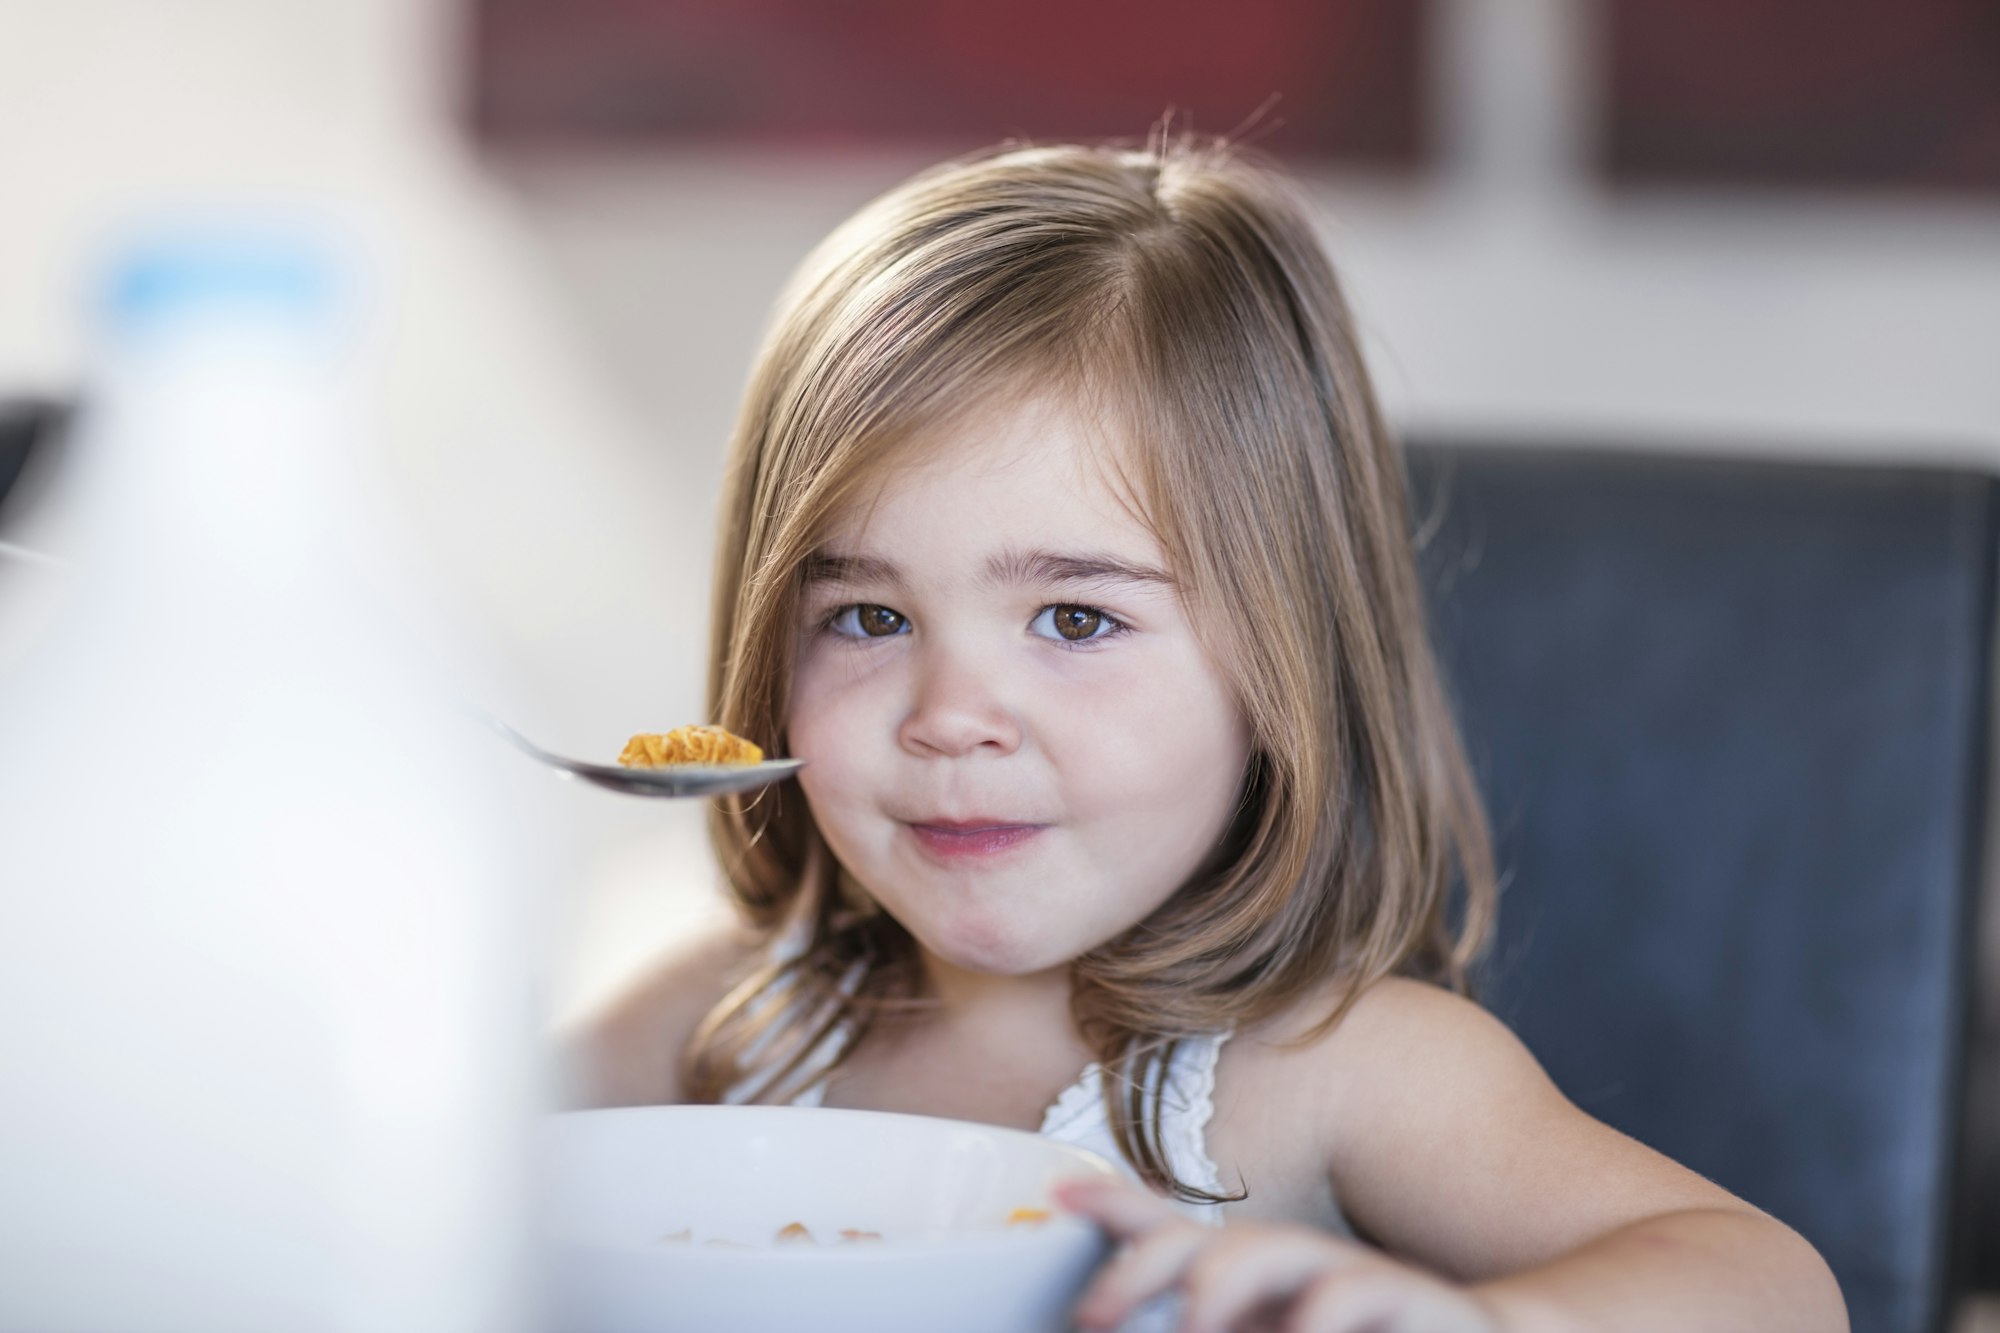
{"x": 1037, "y": 1002}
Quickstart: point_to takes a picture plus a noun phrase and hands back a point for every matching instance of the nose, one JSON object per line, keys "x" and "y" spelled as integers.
{"x": 959, "y": 707}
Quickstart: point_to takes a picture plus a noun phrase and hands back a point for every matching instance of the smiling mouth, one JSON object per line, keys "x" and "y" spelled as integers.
{"x": 958, "y": 842}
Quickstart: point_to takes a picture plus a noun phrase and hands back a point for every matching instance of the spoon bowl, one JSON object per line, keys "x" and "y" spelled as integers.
{"x": 677, "y": 780}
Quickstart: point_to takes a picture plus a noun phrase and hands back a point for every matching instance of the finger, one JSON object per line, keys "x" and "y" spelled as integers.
{"x": 1348, "y": 1303}
{"x": 1143, "y": 1270}
{"x": 1231, "y": 1279}
{"x": 1120, "y": 1207}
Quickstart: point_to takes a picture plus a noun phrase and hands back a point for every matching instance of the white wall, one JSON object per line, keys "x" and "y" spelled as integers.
{"x": 568, "y": 337}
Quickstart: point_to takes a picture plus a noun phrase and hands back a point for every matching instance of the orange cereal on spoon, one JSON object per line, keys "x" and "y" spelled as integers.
{"x": 688, "y": 745}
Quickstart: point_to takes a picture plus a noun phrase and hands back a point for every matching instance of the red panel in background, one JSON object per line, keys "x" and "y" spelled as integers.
{"x": 1804, "y": 92}
{"x": 952, "y": 74}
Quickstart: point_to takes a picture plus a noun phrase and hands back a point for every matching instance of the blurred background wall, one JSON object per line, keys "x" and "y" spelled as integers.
{"x": 570, "y": 288}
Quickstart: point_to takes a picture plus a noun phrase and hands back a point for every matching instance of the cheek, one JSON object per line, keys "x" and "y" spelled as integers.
{"x": 833, "y": 724}
{"x": 1155, "y": 723}
{"x": 828, "y": 706}
{"x": 1156, "y": 758}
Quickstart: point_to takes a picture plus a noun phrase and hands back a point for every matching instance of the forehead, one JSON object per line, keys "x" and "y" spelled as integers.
{"x": 1010, "y": 471}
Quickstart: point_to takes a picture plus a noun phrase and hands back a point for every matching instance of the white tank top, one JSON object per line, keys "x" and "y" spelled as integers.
{"x": 1078, "y": 1116}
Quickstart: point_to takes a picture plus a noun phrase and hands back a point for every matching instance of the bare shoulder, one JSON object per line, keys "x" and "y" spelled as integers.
{"x": 627, "y": 1050}
{"x": 1403, "y": 1036}
{"x": 1400, "y": 1038}
{"x": 1383, "y": 1021}
{"x": 1444, "y": 1139}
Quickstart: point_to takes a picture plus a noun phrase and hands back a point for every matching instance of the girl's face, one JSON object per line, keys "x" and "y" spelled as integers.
{"x": 1014, "y": 740}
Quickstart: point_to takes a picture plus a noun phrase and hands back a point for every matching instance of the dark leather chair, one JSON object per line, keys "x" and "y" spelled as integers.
{"x": 26, "y": 425}
{"x": 1730, "y": 720}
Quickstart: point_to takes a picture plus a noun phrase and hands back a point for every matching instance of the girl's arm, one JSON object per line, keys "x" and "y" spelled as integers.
{"x": 1497, "y": 1203}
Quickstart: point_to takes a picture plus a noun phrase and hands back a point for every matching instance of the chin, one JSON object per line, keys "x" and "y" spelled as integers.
{"x": 996, "y": 948}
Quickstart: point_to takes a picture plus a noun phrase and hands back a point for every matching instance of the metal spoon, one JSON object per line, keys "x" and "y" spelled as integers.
{"x": 690, "y": 780}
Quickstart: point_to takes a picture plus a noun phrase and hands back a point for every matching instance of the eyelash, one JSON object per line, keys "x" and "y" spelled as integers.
{"x": 1116, "y": 626}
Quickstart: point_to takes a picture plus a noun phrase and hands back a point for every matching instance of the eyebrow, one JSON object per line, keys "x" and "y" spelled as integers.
{"x": 1008, "y": 569}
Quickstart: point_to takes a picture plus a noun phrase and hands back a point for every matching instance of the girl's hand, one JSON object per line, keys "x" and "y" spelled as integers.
{"x": 1257, "y": 1276}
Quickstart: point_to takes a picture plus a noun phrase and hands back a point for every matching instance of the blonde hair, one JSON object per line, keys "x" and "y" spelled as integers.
{"x": 1180, "y": 287}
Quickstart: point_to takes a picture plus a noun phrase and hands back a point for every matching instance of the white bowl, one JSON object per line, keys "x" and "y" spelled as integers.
{"x": 619, "y": 1183}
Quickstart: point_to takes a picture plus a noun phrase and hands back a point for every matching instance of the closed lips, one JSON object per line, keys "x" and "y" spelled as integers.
{"x": 979, "y": 839}
{"x": 978, "y": 819}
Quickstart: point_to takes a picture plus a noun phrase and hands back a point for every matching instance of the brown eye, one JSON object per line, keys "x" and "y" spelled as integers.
{"x": 869, "y": 621}
{"x": 880, "y": 621}
{"x": 1077, "y": 622}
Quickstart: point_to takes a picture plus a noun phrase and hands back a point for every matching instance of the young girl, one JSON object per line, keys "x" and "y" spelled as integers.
{"x": 1064, "y": 540}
